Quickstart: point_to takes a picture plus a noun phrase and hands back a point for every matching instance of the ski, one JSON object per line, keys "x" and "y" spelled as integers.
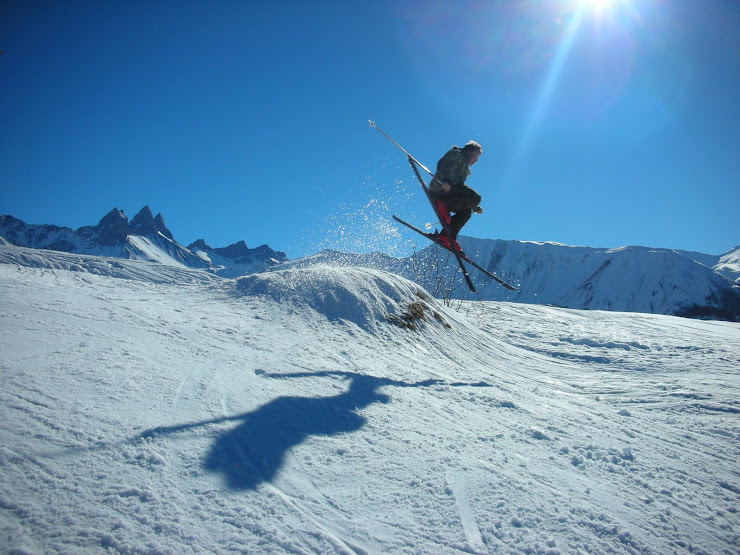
{"x": 432, "y": 237}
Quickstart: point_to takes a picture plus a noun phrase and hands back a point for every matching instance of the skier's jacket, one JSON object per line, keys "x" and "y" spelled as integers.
{"x": 452, "y": 168}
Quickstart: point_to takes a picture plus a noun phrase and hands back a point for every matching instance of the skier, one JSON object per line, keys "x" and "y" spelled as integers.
{"x": 449, "y": 191}
{"x": 466, "y": 157}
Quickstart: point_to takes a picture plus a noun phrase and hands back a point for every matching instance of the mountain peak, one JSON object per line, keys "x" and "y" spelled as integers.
{"x": 143, "y": 223}
{"x": 113, "y": 228}
{"x": 159, "y": 226}
{"x": 200, "y": 245}
{"x": 235, "y": 250}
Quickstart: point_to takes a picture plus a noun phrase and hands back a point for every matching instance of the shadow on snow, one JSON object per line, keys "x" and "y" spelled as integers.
{"x": 254, "y": 451}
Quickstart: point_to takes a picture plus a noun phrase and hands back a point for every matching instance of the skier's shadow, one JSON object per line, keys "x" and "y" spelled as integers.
{"x": 254, "y": 451}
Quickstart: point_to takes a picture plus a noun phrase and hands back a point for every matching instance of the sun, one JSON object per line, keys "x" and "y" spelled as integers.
{"x": 599, "y": 6}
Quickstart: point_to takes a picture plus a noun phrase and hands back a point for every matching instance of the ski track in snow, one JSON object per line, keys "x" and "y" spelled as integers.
{"x": 152, "y": 409}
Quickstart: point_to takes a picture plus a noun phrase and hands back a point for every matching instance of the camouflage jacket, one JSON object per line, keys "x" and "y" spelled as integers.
{"x": 453, "y": 168}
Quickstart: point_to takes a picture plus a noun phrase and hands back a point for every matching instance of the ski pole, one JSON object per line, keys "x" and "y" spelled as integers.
{"x": 406, "y": 152}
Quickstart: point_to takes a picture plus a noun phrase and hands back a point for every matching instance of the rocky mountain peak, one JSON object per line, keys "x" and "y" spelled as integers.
{"x": 143, "y": 223}
{"x": 199, "y": 245}
{"x": 159, "y": 226}
{"x": 234, "y": 251}
{"x": 113, "y": 228}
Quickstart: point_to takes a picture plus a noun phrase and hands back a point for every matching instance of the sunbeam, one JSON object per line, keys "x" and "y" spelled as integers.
{"x": 548, "y": 87}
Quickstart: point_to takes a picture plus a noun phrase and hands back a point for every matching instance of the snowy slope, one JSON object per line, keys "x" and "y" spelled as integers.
{"x": 157, "y": 409}
{"x": 727, "y": 264}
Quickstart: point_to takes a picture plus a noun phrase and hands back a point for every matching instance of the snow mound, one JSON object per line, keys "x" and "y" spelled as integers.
{"x": 362, "y": 296}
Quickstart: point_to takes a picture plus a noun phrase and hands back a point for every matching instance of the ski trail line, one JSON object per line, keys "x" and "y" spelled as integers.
{"x": 178, "y": 392}
{"x": 343, "y": 546}
{"x": 464, "y": 509}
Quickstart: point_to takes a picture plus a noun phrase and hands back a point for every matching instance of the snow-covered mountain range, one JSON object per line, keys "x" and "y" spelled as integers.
{"x": 631, "y": 279}
{"x": 628, "y": 279}
{"x": 145, "y": 237}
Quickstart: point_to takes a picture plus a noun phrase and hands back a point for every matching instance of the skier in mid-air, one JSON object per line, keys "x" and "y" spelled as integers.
{"x": 449, "y": 193}
{"x": 448, "y": 187}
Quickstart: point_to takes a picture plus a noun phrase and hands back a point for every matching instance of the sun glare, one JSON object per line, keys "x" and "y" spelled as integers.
{"x": 599, "y": 6}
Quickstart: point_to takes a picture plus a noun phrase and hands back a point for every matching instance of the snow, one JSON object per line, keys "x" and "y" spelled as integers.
{"x": 729, "y": 264}
{"x": 151, "y": 251}
{"x": 151, "y": 408}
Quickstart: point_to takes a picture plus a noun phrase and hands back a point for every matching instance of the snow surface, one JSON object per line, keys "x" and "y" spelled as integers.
{"x": 157, "y": 409}
{"x": 729, "y": 264}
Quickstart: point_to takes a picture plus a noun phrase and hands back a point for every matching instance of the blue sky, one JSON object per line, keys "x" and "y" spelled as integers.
{"x": 603, "y": 123}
